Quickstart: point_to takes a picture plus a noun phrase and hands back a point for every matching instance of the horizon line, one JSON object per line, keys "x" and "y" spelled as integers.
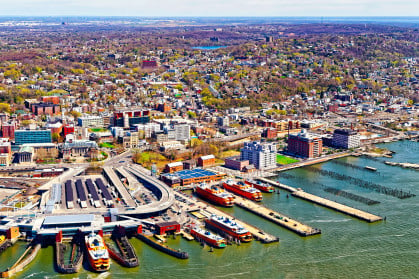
{"x": 213, "y": 16}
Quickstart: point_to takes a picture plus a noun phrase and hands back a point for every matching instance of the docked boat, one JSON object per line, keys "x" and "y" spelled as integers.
{"x": 264, "y": 187}
{"x": 214, "y": 194}
{"x": 242, "y": 189}
{"x": 370, "y": 168}
{"x": 208, "y": 237}
{"x": 227, "y": 226}
{"x": 97, "y": 253}
{"x": 69, "y": 254}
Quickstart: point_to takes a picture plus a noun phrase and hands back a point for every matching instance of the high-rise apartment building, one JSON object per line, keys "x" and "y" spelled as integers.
{"x": 261, "y": 154}
{"x": 305, "y": 145}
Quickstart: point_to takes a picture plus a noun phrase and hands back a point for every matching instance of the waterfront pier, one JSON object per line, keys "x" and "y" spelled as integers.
{"x": 338, "y": 207}
{"x": 362, "y": 215}
{"x": 277, "y": 218}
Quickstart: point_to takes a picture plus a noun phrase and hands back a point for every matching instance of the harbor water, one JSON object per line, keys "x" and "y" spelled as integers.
{"x": 347, "y": 247}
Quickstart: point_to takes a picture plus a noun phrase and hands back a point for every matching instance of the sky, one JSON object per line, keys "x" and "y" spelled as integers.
{"x": 165, "y": 8}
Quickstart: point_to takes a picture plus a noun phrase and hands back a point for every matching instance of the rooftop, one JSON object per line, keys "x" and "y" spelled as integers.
{"x": 187, "y": 174}
{"x": 68, "y": 219}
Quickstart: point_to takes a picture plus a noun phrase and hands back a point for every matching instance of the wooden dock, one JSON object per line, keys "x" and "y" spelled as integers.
{"x": 277, "y": 218}
{"x": 186, "y": 235}
{"x": 208, "y": 210}
{"x": 338, "y": 207}
{"x": 362, "y": 215}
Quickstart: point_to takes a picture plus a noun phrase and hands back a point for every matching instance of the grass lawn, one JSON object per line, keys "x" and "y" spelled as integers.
{"x": 97, "y": 130}
{"x": 146, "y": 159}
{"x": 284, "y": 160}
{"x": 106, "y": 145}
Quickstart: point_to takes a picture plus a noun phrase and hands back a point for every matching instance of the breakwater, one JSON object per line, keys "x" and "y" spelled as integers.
{"x": 351, "y": 196}
{"x": 364, "y": 184}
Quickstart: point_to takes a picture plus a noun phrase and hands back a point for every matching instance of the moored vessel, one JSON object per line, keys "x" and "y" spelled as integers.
{"x": 242, "y": 189}
{"x": 97, "y": 253}
{"x": 208, "y": 237}
{"x": 215, "y": 194}
{"x": 227, "y": 226}
{"x": 264, "y": 187}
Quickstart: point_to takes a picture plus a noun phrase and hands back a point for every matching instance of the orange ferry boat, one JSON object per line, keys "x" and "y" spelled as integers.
{"x": 242, "y": 189}
{"x": 227, "y": 226}
{"x": 97, "y": 253}
{"x": 215, "y": 194}
{"x": 264, "y": 187}
{"x": 208, "y": 237}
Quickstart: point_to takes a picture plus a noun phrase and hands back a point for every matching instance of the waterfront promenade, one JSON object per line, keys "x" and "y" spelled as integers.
{"x": 310, "y": 162}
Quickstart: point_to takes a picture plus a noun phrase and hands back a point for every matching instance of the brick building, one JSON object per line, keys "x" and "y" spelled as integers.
{"x": 206, "y": 161}
{"x": 269, "y": 133}
{"x": 305, "y": 145}
{"x": 173, "y": 167}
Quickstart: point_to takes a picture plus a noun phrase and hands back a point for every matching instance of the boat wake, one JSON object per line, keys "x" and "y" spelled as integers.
{"x": 35, "y": 275}
{"x": 233, "y": 275}
{"x": 103, "y": 275}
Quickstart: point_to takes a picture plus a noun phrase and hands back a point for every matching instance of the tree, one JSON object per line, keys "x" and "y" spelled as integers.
{"x": 5, "y": 107}
{"x": 75, "y": 114}
{"x": 191, "y": 114}
{"x": 55, "y": 137}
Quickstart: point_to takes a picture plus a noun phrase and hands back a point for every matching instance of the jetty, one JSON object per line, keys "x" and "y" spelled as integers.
{"x": 277, "y": 218}
{"x": 207, "y": 210}
{"x": 27, "y": 257}
{"x": 362, "y": 215}
{"x": 122, "y": 252}
{"x": 149, "y": 239}
{"x": 73, "y": 262}
{"x": 338, "y": 207}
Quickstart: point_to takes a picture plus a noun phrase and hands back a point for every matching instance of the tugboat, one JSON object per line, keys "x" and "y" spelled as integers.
{"x": 97, "y": 253}
{"x": 208, "y": 237}
{"x": 228, "y": 227}
{"x": 215, "y": 194}
{"x": 244, "y": 190}
{"x": 264, "y": 187}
